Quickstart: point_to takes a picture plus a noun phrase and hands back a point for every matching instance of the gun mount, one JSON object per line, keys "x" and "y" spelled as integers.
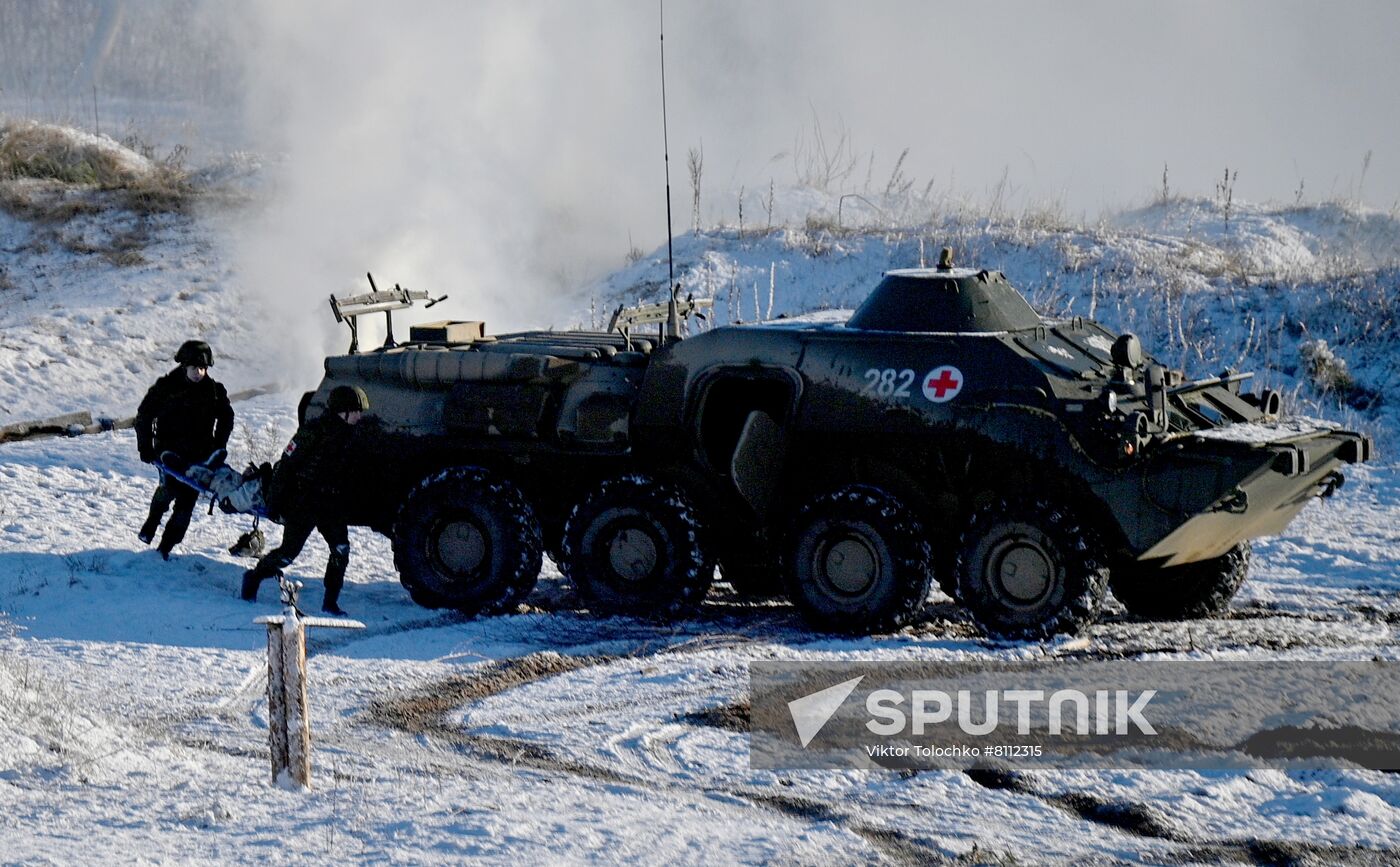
{"x": 668, "y": 316}
{"x": 350, "y": 308}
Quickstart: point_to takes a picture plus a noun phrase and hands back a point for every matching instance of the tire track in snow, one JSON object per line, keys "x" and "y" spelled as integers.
{"x": 424, "y": 712}
{"x": 1141, "y": 820}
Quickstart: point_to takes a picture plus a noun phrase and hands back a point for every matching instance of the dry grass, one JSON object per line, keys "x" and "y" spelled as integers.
{"x": 50, "y": 202}
{"x": 34, "y": 150}
{"x": 51, "y": 174}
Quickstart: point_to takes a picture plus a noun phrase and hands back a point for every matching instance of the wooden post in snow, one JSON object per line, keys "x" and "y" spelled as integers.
{"x": 288, "y": 722}
{"x": 276, "y": 702}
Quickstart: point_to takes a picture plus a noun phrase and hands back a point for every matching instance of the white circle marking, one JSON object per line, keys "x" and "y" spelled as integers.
{"x": 942, "y": 384}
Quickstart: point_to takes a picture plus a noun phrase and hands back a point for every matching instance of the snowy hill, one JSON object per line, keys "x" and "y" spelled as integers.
{"x": 99, "y": 278}
{"x": 132, "y": 713}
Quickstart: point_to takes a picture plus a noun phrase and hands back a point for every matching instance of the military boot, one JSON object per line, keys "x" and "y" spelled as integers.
{"x": 251, "y": 580}
{"x": 147, "y": 533}
{"x": 329, "y": 604}
{"x": 335, "y": 579}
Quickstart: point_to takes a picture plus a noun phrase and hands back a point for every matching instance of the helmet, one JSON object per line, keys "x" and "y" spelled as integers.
{"x": 347, "y": 398}
{"x": 195, "y": 352}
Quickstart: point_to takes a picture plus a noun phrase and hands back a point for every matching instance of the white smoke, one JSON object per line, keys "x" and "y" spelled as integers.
{"x": 504, "y": 152}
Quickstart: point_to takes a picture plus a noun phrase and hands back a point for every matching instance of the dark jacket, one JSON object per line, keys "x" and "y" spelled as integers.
{"x": 310, "y": 481}
{"x": 191, "y": 419}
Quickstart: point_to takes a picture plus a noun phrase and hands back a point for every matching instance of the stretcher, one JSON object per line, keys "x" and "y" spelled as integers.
{"x": 233, "y": 492}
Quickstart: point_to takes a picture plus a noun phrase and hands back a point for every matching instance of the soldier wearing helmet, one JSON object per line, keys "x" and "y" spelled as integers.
{"x": 188, "y": 414}
{"x": 306, "y": 490}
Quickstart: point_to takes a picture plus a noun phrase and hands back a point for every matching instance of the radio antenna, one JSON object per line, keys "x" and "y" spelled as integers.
{"x": 673, "y": 323}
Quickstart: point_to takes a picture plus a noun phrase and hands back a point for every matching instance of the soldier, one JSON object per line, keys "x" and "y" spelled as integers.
{"x": 306, "y": 490}
{"x": 186, "y": 412}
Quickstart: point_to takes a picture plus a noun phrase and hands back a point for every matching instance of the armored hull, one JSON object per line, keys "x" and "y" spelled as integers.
{"x": 944, "y": 432}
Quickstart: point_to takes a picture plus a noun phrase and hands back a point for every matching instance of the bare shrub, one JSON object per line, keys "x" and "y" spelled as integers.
{"x": 1365, "y": 166}
{"x": 741, "y": 212}
{"x": 821, "y": 165}
{"x": 261, "y": 444}
{"x": 899, "y": 184}
{"x": 695, "y": 164}
{"x": 634, "y": 253}
{"x": 1225, "y": 193}
{"x": 1326, "y": 370}
{"x": 768, "y": 206}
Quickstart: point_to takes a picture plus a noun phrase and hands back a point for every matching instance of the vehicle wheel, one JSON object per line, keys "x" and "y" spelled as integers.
{"x": 467, "y": 539}
{"x": 858, "y": 561}
{"x": 1030, "y": 570}
{"x": 635, "y": 546}
{"x": 1188, "y": 592}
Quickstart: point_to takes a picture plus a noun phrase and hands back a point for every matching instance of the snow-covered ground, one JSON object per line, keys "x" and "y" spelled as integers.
{"x": 132, "y": 712}
{"x": 131, "y": 695}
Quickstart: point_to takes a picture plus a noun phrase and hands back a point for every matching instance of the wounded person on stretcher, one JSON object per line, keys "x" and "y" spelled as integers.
{"x": 235, "y": 492}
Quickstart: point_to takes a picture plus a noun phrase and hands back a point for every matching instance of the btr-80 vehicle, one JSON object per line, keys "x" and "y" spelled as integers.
{"x": 945, "y": 432}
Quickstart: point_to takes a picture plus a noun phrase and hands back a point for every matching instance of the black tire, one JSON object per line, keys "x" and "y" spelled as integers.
{"x": 467, "y": 539}
{"x": 636, "y": 546}
{"x": 858, "y": 562}
{"x": 1062, "y": 578}
{"x": 1189, "y": 592}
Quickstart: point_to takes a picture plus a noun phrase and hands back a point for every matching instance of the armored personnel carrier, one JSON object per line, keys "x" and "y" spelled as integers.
{"x": 944, "y": 432}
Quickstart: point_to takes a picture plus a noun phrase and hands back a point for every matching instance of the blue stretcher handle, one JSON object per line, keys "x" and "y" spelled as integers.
{"x": 189, "y": 482}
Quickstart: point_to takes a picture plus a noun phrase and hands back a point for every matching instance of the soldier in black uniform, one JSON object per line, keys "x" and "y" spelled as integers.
{"x": 188, "y": 413}
{"x": 305, "y": 491}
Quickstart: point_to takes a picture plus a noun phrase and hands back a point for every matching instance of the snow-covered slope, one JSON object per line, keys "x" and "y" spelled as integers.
{"x": 132, "y": 713}
{"x": 95, "y": 295}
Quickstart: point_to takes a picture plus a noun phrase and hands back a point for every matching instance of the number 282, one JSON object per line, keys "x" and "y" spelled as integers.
{"x": 888, "y": 382}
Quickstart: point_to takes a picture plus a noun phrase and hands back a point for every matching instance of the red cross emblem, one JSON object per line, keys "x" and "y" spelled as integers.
{"x": 942, "y": 384}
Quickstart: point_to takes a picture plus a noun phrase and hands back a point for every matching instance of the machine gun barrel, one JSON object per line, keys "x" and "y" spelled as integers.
{"x": 652, "y": 314}
{"x": 1207, "y": 383}
{"x": 376, "y": 302}
{"x": 351, "y": 306}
